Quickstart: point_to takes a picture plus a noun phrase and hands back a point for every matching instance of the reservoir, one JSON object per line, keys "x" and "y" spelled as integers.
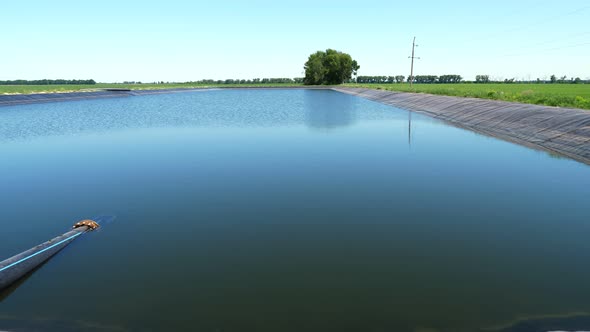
{"x": 287, "y": 210}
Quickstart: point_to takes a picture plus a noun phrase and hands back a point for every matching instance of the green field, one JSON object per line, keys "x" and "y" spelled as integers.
{"x": 562, "y": 95}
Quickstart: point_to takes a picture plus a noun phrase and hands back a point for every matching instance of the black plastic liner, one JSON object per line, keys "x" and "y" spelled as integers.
{"x": 564, "y": 131}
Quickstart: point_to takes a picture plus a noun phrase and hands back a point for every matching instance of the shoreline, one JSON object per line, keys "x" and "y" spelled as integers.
{"x": 49, "y": 97}
{"x": 561, "y": 131}
{"x": 38, "y": 98}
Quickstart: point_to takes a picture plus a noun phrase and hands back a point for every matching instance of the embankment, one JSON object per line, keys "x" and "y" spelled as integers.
{"x": 563, "y": 131}
{"x": 21, "y": 99}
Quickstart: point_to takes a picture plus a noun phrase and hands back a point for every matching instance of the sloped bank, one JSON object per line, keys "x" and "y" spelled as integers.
{"x": 34, "y": 98}
{"x": 564, "y": 131}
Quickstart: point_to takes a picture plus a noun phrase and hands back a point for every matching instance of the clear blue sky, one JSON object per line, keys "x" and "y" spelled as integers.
{"x": 176, "y": 40}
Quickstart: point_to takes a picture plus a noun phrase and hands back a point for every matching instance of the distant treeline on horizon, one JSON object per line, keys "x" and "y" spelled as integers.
{"x": 296, "y": 80}
{"x": 47, "y": 82}
{"x": 442, "y": 79}
{"x": 420, "y": 79}
{"x": 417, "y": 79}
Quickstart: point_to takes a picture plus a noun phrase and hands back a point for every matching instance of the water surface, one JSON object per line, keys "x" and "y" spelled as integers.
{"x": 286, "y": 210}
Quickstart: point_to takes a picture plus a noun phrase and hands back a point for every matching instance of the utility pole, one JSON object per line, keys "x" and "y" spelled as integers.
{"x": 412, "y": 66}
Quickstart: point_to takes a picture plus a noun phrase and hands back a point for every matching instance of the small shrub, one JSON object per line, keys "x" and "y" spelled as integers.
{"x": 581, "y": 102}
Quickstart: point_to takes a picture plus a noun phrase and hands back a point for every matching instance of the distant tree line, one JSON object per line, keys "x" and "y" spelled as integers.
{"x": 47, "y": 82}
{"x": 231, "y": 81}
{"x": 296, "y": 80}
{"x": 552, "y": 80}
{"x": 482, "y": 78}
{"x": 424, "y": 79}
{"x": 433, "y": 79}
{"x": 563, "y": 79}
{"x": 380, "y": 79}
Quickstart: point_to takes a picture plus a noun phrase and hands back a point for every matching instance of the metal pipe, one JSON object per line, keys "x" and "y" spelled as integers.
{"x": 15, "y": 267}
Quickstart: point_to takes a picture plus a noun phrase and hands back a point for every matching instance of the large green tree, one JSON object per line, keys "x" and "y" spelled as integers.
{"x": 329, "y": 67}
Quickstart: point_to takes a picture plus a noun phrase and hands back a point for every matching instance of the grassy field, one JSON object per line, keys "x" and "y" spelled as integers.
{"x": 562, "y": 95}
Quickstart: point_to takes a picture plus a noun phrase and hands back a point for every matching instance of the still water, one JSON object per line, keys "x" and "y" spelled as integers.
{"x": 287, "y": 210}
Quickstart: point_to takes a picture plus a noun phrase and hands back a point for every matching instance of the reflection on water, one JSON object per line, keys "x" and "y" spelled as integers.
{"x": 331, "y": 111}
{"x": 409, "y": 129}
{"x": 234, "y": 216}
{"x": 213, "y": 108}
{"x": 4, "y": 293}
